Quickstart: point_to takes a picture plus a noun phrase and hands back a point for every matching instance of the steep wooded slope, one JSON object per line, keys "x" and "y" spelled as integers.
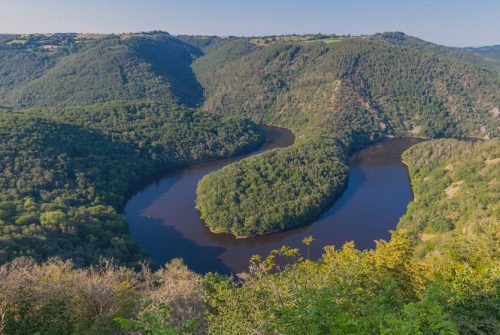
{"x": 456, "y": 210}
{"x": 64, "y": 171}
{"x": 343, "y": 94}
{"x": 152, "y": 66}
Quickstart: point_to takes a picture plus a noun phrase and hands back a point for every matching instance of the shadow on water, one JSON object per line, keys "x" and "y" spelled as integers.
{"x": 163, "y": 219}
{"x": 169, "y": 243}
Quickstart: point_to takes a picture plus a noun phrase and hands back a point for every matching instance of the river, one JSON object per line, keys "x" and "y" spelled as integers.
{"x": 164, "y": 221}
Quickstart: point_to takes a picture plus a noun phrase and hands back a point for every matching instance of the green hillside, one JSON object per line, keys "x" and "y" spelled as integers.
{"x": 19, "y": 64}
{"x": 24, "y": 58}
{"x": 456, "y": 211}
{"x": 397, "y": 83}
{"x": 336, "y": 97}
{"x": 336, "y": 93}
{"x": 401, "y": 39}
{"x": 102, "y": 68}
{"x": 64, "y": 172}
{"x": 85, "y": 117}
{"x": 388, "y": 290}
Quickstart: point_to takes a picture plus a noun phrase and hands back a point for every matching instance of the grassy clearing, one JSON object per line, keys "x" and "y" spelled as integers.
{"x": 18, "y": 41}
{"x": 267, "y": 40}
{"x": 328, "y": 40}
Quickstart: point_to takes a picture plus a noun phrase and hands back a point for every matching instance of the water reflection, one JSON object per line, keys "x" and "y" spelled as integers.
{"x": 163, "y": 219}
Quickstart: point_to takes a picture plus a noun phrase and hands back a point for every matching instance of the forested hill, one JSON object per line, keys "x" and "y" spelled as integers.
{"x": 450, "y": 288}
{"x": 108, "y": 111}
{"x": 272, "y": 72}
{"x": 455, "y": 212}
{"x": 337, "y": 94}
{"x": 399, "y": 82}
{"x": 70, "y": 69}
{"x": 456, "y": 54}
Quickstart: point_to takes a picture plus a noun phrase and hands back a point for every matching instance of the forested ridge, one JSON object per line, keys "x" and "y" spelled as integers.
{"x": 153, "y": 66}
{"x": 336, "y": 97}
{"x": 456, "y": 210}
{"x": 84, "y": 117}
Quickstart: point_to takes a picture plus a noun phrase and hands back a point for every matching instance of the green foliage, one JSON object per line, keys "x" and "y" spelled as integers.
{"x": 206, "y": 43}
{"x": 455, "y": 54}
{"x": 426, "y": 316}
{"x": 271, "y": 192}
{"x": 152, "y": 66}
{"x": 344, "y": 94}
{"x": 492, "y": 51}
{"x": 55, "y": 298}
{"x": 336, "y": 98}
{"x": 347, "y": 291}
{"x": 24, "y": 58}
{"x": 453, "y": 289}
{"x": 154, "y": 319}
{"x": 65, "y": 172}
{"x": 455, "y": 223}
{"x": 297, "y": 84}
{"x": 456, "y": 207}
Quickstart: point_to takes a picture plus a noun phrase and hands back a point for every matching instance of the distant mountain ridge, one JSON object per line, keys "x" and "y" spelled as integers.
{"x": 403, "y": 80}
{"x": 492, "y": 51}
{"x": 73, "y": 69}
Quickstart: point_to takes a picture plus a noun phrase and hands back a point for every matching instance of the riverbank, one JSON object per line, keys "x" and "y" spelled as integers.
{"x": 163, "y": 219}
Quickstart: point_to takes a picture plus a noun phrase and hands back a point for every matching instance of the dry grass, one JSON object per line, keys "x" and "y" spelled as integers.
{"x": 263, "y": 41}
{"x": 427, "y": 236}
{"x": 50, "y": 47}
{"x": 181, "y": 290}
{"x": 91, "y": 298}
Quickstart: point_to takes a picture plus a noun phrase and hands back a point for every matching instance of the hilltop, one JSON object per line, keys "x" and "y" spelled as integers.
{"x": 75, "y": 69}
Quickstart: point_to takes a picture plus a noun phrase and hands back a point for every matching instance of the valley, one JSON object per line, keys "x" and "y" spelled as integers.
{"x": 141, "y": 190}
{"x": 163, "y": 219}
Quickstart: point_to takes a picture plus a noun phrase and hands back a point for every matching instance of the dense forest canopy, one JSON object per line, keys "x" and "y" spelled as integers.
{"x": 441, "y": 284}
{"x": 84, "y": 117}
{"x": 336, "y": 97}
{"x": 99, "y": 69}
{"x": 65, "y": 171}
{"x": 306, "y": 170}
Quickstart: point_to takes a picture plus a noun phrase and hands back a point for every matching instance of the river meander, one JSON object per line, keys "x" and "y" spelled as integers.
{"x": 163, "y": 219}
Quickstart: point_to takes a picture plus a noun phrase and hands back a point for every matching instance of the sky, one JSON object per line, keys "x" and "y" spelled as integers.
{"x": 447, "y": 22}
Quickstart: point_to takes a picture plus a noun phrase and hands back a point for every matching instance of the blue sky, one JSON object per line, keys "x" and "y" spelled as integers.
{"x": 448, "y": 22}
